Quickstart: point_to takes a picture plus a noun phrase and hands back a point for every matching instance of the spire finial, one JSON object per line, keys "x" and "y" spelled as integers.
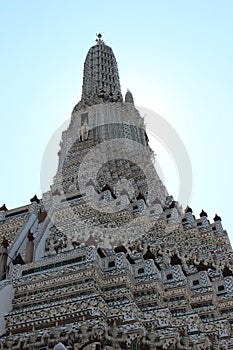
{"x": 99, "y": 41}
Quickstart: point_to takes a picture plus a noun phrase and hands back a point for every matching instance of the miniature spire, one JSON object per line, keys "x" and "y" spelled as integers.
{"x": 203, "y": 213}
{"x": 217, "y": 218}
{"x": 35, "y": 199}
{"x": 188, "y": 210}
{"x": 3, "y": 208}
{"x": 129, "y": 97}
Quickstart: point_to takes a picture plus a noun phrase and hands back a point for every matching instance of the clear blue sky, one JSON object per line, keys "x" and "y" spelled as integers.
{"x": 175, "y": 56}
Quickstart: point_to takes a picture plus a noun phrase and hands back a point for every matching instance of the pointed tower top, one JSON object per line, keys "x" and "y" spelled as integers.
{"x": 217, "y": 218}
{"x": 129, "y": 97}
{"x": 188, "y": 210}
{"x": 35, "y": 199}
{"x": 3, "y": 208}
{"x": 203, "y": 213}
{"x": 101, "y": 83}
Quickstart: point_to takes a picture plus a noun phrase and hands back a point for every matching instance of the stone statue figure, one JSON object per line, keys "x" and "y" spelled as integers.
{"x": 83, "y": 132}
{"x": 114, "y": 338}
{"x": 152, "y": 340}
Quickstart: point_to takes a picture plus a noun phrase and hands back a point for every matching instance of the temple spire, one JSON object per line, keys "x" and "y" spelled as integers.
{"x": 101, "y": 81}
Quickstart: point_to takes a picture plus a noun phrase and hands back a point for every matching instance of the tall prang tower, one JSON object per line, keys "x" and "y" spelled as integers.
{"x": 106, "y": 180}
{"x": 107, "y": 259}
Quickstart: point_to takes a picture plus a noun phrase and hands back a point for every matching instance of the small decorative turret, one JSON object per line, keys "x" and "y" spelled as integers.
{"x": 203, "y": 213}
{"x": 129, "y": 97}
{"x": 3, "y": 208}
{"x": 203, "y": 222}
{"x": 188, "y": 210}
{"x": 218, "y": 224}
{"x": 35, "y": 199}
{"x": 171, "y": 214}
{"x": 217, "y": 218}
{"x": 188, "y": 219}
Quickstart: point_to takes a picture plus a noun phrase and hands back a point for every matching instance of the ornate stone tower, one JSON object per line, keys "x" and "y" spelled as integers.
{"x": 107, "y": 259}
{"x": 106, "y": 183}
{"x": 101, "y": 81}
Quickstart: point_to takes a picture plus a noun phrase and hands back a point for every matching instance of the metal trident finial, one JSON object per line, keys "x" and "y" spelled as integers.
{"x": 99, "y": 40}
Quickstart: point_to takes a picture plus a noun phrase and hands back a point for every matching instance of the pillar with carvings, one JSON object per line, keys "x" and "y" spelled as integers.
{"x": 29, "y": 248}
{"x": 3, "y": 258}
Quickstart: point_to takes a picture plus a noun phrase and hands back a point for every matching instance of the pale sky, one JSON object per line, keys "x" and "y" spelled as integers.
{"x": 175, "y": 57}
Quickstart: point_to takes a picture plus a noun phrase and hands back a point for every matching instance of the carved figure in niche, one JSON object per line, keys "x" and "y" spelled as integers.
{"x": 183, "y": 342}
{"x": 56, "y": 243}
{"x": 23, "y": 342}
{"x": 9, "y": 343}
{"x": 45, "y": 337}
{"x": 137, "y": 246}
{"x": 151, "y": 339}
{"x": 215, "y": 343}
{"x": 33, "y": 337}
{"x": 72, "y": 187}
{"x": 98, "y": 331}
{"x": 114, "y": 338}
{"x": 83, "y": 131}
{"x": 84, "y": 331}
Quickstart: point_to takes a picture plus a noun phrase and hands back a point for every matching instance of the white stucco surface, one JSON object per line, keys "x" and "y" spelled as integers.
{"x": 6, "y": 296}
